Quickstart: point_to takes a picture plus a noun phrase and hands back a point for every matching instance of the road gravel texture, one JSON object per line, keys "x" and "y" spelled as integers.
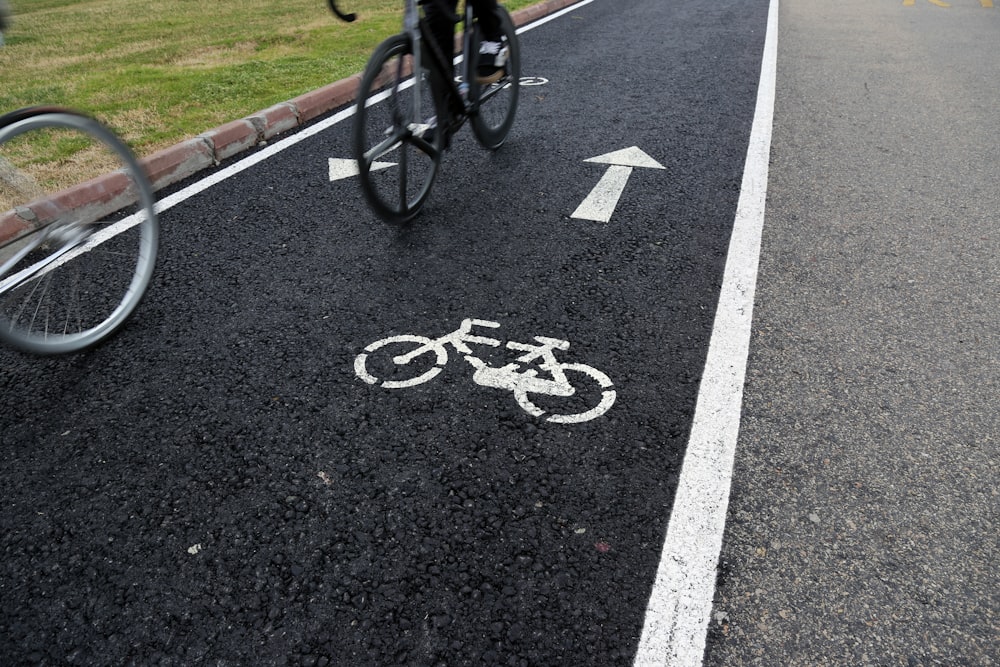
{"x": 217, "y": 486}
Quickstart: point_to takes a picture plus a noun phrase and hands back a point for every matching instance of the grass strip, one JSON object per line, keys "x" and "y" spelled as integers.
{"x": 158, "y": 73}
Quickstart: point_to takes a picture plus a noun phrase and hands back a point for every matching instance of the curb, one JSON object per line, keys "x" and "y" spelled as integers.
{"x": 208, "y": 149}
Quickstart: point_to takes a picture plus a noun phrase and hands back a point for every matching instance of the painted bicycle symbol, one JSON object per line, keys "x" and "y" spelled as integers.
{"x": 418, "y": 359}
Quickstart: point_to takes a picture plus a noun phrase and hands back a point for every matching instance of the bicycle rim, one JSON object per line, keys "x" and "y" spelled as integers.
{"x": 78, "y": 233}
{"x": 498, "y": 101}
{"x": 397, "y": 152}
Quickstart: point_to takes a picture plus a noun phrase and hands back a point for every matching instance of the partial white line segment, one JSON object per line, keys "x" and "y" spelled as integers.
{"x": 680, "y": 606}
{"x": 552, "y": 17}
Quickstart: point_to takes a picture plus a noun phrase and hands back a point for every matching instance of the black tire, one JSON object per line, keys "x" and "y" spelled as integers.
{"x": 389, "y": 131}
{"x": 78, "y": 231}
{"x": 498, "y": 101}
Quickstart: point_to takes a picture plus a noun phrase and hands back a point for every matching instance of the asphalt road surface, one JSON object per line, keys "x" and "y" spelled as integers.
{"x": 220, "y": 485}
{"x": 865, "y": 511}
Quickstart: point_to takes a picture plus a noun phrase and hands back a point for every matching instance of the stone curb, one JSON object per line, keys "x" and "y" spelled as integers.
{"x": 208, "y": 149}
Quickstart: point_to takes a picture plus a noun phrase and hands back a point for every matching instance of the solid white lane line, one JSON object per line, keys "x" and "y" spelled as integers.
{"x": 552, "y": 17}
{"x": 680, "y": 606}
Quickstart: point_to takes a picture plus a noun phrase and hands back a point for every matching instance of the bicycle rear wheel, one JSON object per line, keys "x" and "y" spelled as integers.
{"x": 498, "y": 101}
{"x": 78, "y": 233}
{"x": 397, "y": 142}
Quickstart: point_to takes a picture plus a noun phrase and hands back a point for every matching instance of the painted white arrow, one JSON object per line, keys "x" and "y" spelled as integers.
{"x": 601, "y": 202}
{"x": 340, "y": 168}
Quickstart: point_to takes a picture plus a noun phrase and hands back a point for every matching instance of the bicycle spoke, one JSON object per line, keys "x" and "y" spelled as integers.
{"x": 384, "y": 148}
{"x": 75, "y": 273}
{"x": 387, "y": 120}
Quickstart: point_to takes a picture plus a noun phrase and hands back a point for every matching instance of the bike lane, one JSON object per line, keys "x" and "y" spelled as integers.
{"x": 246, "y": 494}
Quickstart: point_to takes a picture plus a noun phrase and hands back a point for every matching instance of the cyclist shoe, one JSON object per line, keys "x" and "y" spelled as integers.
{"x": 492, "y": 62}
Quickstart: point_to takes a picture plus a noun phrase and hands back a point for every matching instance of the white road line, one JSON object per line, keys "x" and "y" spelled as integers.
{"x": 677, "y": 615}
{"x": 552, "y": 17}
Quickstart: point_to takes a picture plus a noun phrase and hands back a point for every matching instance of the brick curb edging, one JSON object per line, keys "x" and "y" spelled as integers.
{"x": 187, "y": 158}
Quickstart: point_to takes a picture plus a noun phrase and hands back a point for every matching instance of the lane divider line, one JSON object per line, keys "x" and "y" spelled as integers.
{"x": 678, "y": 613}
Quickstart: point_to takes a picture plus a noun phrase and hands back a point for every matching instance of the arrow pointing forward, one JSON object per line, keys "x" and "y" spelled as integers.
{"x": 340, "y": 168}
{"x": 601, "y": 202}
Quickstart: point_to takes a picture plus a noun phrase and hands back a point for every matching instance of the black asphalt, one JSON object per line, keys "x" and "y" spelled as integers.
{"x": 217, "y": 486}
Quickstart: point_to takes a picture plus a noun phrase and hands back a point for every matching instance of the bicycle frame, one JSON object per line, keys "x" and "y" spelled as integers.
{"x": 460, "y": 105}
{"x": 415, "y": 26}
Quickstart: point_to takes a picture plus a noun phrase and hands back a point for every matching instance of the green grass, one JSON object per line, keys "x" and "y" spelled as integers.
{"x": 159, "y": 72}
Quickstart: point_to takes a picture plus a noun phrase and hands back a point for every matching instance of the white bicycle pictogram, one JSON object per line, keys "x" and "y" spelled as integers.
{"x": 515, "y": 376}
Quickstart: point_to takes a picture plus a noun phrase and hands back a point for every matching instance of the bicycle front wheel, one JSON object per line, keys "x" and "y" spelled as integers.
{"x": 498, "y": 101}
{"x": 397, "y": 137}
{"x": 78, "y": 233}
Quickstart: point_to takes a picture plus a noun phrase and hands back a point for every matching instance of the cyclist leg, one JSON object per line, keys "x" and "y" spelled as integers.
{"x": 439, "y": 15}
{"x": 489, "y": 19}
{"x": 442, "y": 27}
{"x": 492, "y": 58}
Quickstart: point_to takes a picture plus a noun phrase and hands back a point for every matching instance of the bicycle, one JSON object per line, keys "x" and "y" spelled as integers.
{"x": 403, "y": 370}
{"x": 398, "y": 143}
{"x": 78, "y": 231}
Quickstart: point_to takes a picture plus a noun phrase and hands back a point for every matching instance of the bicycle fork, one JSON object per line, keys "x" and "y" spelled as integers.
{"x": 72, "y": 235}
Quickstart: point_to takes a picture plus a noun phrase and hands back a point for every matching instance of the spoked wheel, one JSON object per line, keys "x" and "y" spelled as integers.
{"x": 498, "y": 101}
{"x": 78, "y": 233}
{"x": 396, "y": 144}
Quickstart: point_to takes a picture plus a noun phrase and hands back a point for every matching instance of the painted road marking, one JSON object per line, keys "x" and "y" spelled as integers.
{"x": 341, "y": 168}
{"x": 600, "y": 204}
{"x": 521, "y": 377}
{"x": 680, "y": 605}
